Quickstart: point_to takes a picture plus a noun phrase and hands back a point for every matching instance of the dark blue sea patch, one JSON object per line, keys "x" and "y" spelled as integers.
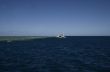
{"x": 71, "y": 54}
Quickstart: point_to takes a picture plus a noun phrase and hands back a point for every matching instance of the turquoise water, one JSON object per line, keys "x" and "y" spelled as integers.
{"x": 71, "y": 54}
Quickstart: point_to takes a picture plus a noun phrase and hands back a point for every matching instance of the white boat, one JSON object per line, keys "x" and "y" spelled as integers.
{"x": 61, "y": 36}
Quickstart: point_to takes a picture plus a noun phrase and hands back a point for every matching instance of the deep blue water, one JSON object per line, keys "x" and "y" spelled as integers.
{"x": 72, "y": 54}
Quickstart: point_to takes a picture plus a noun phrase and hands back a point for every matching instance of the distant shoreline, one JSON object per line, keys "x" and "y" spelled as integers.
{"x": 19, "y": 38}
{"x": 22, "y": 38}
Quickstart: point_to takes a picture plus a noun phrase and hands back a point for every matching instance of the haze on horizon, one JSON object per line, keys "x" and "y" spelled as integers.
{"x": 50, "y": 17}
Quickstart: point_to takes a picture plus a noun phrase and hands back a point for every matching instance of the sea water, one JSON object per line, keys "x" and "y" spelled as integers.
{"x": 70, "y": 54}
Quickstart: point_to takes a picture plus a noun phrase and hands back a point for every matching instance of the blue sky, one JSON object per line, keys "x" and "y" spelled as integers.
{"x": 51, "y": 17}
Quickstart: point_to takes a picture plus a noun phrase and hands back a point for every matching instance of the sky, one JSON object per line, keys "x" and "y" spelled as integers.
{"x": 51, "y": 17}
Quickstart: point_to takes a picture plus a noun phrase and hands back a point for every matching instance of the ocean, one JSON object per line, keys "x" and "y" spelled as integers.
{"x": 70, "y": 54}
